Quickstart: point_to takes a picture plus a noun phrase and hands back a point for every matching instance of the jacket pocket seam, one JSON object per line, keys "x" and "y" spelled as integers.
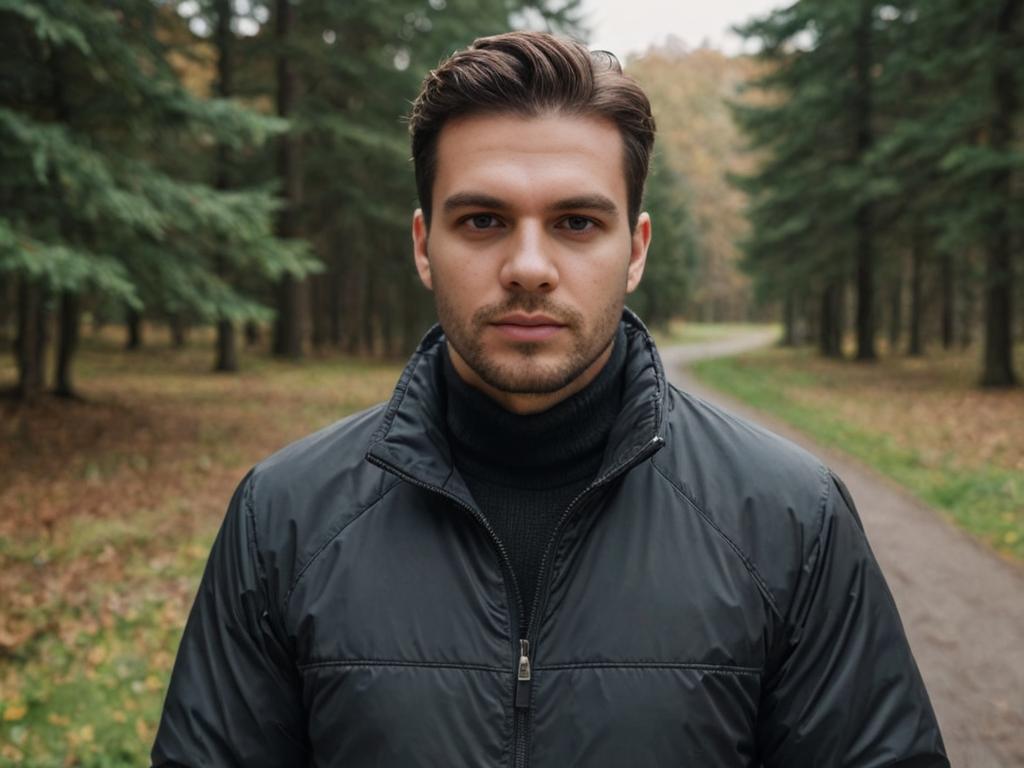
{"x": 696, "y": 666}
{"x": 328, "y": 663}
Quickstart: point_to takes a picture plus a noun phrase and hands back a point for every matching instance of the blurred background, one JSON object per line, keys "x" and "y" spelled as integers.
{"x": 204, "y": 254}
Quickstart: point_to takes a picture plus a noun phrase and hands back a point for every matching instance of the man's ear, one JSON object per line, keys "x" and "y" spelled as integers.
{"x": 639, "y": 243}
{"x": 419, "y": 249}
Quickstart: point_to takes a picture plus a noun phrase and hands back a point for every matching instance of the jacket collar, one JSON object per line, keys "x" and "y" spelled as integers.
{"x": 412, "y": 440}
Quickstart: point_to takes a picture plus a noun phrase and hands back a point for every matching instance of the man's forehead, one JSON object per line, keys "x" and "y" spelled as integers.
{"x": 555, "y": 156}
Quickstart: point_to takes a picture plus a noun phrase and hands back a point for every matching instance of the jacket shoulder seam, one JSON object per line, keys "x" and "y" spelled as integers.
{"x": 331, "y": 537}
{"x": 748, "y": 564}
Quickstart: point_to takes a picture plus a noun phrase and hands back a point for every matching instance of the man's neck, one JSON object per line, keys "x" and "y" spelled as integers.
{"x": 528, "y": 403}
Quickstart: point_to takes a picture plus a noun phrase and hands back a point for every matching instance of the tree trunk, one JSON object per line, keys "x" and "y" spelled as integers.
{"x": 896, "y": 307}
{"x": 839, "y": 320}
{"x": 133, "y": 323}
{"x": 227, "y": 349}
{"x": 7, "y": 302}
{"x": 967, "y": 312}
{"x": 916, "y": 344}
{"x": 335, "y": 288}
{"x": 227, "y": 354}
{"x": 830, "y": 326}
{"x": 863, "y": 218}
{"x": 179, "y": 331}
{"x": 69, "y": 307}
{"x": 319, "y": 286}
{"x": 948, "y": 305}
{"x": 67, "y": 343}
{"x": 999, "y": 273}
{"x": 30, "y": 345}
{"x": 288, "y": 327}
{"x": 252, "y": 333}
{"x": 789, "y": 321}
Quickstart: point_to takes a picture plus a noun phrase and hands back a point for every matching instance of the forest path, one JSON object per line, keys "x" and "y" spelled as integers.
{"x": 962, "y": 606}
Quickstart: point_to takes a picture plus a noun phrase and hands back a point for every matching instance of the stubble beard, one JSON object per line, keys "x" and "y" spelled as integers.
{"x": 525, "y": 375}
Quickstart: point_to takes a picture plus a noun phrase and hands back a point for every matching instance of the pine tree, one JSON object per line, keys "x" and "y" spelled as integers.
{"x": 814, "y": 200}
{"x": 90, "y": 206}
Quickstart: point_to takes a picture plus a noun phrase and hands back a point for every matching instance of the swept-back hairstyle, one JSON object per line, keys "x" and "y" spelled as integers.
{"x": 529, "y": 74}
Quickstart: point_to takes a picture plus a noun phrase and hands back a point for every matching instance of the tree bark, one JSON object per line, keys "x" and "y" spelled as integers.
{"x": 288, "y": 326}
{"x": 896, "y": 307}
{"x": 252, "y": 333}
{"x": 133, "y": 324}
{"x": 335, "y": 288}
{"x": 948, "y": 301}
{"x": 863, "y": 218}
{"x": 916, "y": 342}
{"x": 789, "y": 321}
{"x": 319, "y": 286}
{"x": 999, "y": 273}
{"x": 68, "y": 311}
{"x": 179, "y": 330}
{"x": 30, "y": 343}
{"x": 7, "y": 302}
{"x": 967, "y": 312}
{"x": 830, "y": 327}
{"x": 227, "y": 354}
{"x": 227, "y": 349}
{"x": 67, "y": 343}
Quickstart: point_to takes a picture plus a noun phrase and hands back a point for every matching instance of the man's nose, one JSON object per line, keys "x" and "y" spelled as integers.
{"x": 529, "y": 264}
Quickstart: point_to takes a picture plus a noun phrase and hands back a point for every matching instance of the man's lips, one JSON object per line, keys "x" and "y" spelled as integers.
{"x": 523, "y": 327}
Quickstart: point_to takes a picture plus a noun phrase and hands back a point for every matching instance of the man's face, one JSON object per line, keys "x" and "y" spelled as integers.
{"x": 529, "y": 252}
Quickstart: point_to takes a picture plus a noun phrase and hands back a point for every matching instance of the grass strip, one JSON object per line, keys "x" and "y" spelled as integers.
{"x": 986, "y": 501}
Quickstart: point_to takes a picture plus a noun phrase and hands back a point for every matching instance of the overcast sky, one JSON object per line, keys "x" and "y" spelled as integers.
{"x": 629, "y": 26}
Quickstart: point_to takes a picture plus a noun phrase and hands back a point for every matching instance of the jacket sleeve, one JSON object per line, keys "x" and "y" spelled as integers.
{"x": 844, "y": 690}
{"x": 234, "y": 696}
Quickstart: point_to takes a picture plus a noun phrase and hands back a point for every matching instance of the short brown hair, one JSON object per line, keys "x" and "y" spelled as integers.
{"x": 528, "y": 73}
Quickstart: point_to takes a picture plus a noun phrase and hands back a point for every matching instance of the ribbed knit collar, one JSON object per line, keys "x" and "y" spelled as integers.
{"x": 554, "y": 447}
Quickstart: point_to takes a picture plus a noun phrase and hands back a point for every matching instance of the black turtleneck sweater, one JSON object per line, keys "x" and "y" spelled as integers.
{"x": 524, "y": 470}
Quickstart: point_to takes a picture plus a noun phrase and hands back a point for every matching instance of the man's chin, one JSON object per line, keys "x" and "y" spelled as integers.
{"x": 526, "y": 382}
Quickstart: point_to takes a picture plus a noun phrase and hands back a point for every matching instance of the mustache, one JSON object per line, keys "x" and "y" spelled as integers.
{"x": 529, "y": 303}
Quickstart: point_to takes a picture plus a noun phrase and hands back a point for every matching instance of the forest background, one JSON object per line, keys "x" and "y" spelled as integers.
{"x": 244, "y": 165}
{"x": 189, "y": 186}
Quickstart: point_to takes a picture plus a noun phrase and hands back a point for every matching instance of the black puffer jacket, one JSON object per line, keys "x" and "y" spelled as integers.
{"x": 710, "y": 601}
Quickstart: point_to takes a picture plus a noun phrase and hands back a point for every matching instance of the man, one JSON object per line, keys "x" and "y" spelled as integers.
{"x": 538, "y": 552}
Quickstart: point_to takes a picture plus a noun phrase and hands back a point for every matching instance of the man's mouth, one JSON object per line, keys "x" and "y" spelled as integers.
{"x": 520, "y": 326}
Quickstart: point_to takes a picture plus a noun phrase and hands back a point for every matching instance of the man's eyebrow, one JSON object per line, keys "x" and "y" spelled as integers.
{"x": 593, "y": 202}
{"x": 473, "y": 200}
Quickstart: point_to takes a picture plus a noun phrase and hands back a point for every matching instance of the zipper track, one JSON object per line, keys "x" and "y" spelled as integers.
{"x": 521, "y": 714}
{"x": 541, "y": 592}
{"x": 506, "y": 561}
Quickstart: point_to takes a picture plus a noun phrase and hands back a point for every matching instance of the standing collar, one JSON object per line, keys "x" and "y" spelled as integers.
{"x": 412, "y": 438}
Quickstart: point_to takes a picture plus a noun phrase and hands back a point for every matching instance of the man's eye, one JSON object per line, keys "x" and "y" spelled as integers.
{"x": 578, "y": 223}
{"x": 482, "y": 221}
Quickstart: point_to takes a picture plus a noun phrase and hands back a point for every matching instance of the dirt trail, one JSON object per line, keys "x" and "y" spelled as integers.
{"x": 962, "y": 606}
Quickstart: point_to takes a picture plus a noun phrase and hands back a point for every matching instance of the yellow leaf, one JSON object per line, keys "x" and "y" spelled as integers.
{"x": 12, "y": 753}
{"x": 86, "y": 733}
{"x": 1010, "y": 537}
{"x": 15, "y": 711}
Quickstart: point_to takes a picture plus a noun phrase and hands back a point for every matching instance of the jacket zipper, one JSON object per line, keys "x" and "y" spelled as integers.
{"x": 522, "y": 649}
{"x": 506, "y": 561}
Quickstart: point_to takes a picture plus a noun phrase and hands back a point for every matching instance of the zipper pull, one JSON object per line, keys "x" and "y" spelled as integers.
{"x": 523, "y": 676}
